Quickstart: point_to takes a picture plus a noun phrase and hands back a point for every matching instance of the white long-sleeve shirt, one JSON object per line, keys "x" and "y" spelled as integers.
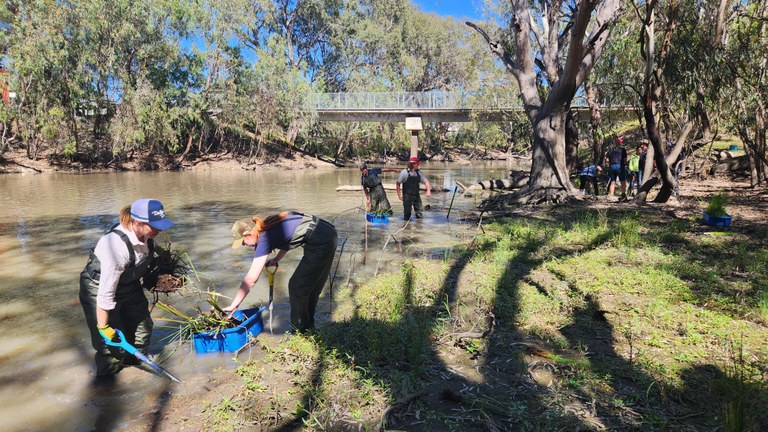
{"x": 114, "y": 257}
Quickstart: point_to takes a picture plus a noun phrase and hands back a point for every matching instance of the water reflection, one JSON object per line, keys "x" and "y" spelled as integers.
{"x": 49, "y": 222}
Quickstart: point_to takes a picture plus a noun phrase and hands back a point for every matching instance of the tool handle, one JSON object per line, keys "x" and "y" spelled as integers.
{"x": 130, "y": 349}
{"x": 271, "y": 274}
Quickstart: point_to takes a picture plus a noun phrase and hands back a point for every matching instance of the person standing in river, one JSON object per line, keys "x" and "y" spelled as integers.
{"x": 285, "y": 231}
{"x": 375, "y": 196}
{"x": 410, "y": 179}
{"x": 111, "y": 291}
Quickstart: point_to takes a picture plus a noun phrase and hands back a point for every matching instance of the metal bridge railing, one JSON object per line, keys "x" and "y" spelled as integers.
{"x": 434, "y": 100}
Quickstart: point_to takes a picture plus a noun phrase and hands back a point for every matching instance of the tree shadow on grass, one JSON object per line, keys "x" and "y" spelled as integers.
{"x": 429, "y": 394}
{"x": 436, "y": 396}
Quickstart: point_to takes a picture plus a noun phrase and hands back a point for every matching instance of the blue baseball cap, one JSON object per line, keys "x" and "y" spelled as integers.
{"x": 151, "y": 212}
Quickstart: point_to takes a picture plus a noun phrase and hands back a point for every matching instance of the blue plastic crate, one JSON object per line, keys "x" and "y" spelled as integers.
{"x": 231, "y": 340}
{"x": 377, "y": 219}
{"x": 718, "y": 221}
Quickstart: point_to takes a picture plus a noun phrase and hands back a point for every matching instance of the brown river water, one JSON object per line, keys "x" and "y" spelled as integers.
{"x": 48, "y": 222}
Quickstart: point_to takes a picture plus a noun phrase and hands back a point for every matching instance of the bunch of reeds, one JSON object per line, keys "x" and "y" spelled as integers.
{"x": 185, "y": 326}
{"x": 170, "y": 260}
{"x": 171, "y": 270}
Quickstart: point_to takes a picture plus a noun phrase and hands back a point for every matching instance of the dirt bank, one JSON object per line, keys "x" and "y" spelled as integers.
{"x": 17, "y": 162}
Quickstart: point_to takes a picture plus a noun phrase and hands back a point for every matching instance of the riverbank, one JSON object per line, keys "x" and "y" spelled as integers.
{"x": 17, "y": 162}
{"x": 596, "y": 316}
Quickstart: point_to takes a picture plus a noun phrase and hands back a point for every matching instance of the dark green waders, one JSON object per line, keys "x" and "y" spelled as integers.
{"x": 319, "y": 240}
{"x": 411, "y": 196}
{"x": 379, "y": 201}
{"x": 130, "y": 315}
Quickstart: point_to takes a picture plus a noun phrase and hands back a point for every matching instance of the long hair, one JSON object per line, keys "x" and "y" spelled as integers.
{"x": 125, "y": 217}
{"x": 261, "y": 225}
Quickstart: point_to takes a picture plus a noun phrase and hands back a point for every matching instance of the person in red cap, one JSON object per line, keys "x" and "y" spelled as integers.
{"x": 408, "y": 188}
{"x": 111, "y": 290}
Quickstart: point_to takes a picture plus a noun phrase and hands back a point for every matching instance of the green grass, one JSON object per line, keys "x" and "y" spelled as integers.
{"x": 632, "y": 313}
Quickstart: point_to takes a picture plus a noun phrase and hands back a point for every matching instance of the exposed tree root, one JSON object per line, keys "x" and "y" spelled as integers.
{"x": 527, "y": 196}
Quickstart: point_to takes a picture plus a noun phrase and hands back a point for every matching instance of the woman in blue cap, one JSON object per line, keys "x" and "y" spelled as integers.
{"x": 111, "y": 291}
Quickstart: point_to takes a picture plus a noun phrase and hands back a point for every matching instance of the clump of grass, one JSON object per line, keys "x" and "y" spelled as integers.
{"x": 742, "y": 389}
{"x": 627, "y": 233}
{"x": 762, "y": 306}
{"x": 716, "y": 206}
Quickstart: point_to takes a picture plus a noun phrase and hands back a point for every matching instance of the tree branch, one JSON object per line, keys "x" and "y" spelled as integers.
{"x": 496, "y": 48}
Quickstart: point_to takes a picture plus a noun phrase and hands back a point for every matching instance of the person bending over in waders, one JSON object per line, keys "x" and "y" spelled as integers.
{"x": 111, "y": 290}
{"x": 285, "y": 231}
{"x": 375, "y": 196}
{"x": 410, "y": 179}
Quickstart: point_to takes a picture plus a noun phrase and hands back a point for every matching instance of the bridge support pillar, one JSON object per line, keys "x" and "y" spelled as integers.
{"x": 414, "y": 125}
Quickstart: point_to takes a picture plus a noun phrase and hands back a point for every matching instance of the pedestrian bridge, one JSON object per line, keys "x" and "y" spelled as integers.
{"x": 434, "y": 106}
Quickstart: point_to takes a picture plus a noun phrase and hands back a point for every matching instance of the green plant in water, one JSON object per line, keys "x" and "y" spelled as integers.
{"x": 716, "y": 206}
{"x": 381, "y": 212}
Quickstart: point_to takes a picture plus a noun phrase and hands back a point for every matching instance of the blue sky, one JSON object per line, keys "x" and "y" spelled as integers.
{"x": 455, "y": 8}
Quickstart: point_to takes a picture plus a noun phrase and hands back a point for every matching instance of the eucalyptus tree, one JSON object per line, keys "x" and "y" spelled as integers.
{"x": 391, "y": 46}
{"x": 216, "y": 60}
{"x": 67, "y": 56}
{"x": 141, "y": 67}
{"x": 615, "y": 81}
{"x": 550, "y": 48}
{"x": 748, "y": 53}
{"x": 299, "y": 32}
{"x": 683, "y": 80}
{"x": 43, "y": 42}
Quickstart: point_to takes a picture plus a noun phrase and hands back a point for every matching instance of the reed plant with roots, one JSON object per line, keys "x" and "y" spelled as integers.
{"x": 185, "y": 326}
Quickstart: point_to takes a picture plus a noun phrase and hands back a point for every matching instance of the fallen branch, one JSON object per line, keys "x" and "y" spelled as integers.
{"x": 28, "y": 167}
{"x": 397, "y": 404}
{"x": 476, "y": 335}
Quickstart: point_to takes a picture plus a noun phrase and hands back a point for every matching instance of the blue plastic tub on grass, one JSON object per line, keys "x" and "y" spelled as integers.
{"x": 231, "y": 340}
{"x": 717, "y": 221}
{"x": 377, "y": 219}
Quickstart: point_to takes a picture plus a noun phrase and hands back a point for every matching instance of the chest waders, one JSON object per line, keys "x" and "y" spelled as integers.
{"x": 319, "y": 239}
{"x": 411, "y": 198}
{"x": 379, "y": 201}
{"x": 131, "y": 312}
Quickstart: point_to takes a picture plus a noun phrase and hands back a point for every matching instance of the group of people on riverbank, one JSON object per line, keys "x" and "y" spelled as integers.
{"x": 619, "y": 168}
{"x": 121, "y": 264}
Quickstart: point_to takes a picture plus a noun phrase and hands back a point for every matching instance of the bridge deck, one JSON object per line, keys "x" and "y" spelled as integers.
{"x": 433, "y": 106}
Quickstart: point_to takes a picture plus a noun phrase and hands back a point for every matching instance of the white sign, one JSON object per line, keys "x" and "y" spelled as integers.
{"x": 413, "y": 124}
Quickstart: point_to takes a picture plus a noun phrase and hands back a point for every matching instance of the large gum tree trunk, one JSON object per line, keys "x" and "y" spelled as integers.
{"x": 568, "y": 42}
{"x": 549, "y": 182}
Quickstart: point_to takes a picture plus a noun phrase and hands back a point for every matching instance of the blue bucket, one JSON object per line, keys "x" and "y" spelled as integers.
{"x": 377, "y": 219}
{"x": 231, "y": 340}
{"x": 717, "y": 221}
